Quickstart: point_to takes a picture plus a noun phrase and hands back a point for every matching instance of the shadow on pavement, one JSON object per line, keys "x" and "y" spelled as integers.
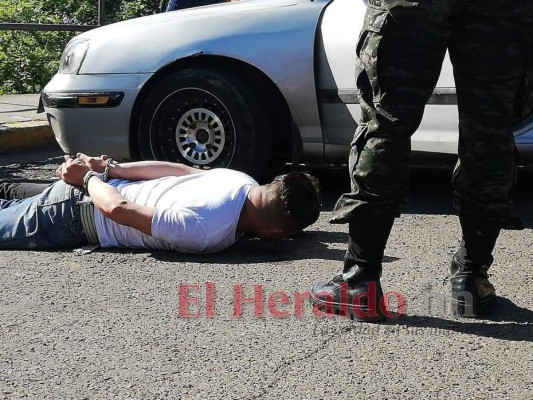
{"x": 308, "y": 245}
{"x": 514, "y": 323}
{"x": 38, "y": 166}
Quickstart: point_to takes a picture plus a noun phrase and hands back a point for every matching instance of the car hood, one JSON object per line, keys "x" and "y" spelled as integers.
{"x": 141, "y": 45}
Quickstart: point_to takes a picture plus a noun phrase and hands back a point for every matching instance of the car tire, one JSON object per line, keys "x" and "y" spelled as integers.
{"x": 205, "y": 118}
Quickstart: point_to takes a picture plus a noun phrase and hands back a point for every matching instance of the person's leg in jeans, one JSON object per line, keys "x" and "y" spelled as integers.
{"x": 48, "y": 220}
{"x": 489, "y": 58}
{"x": 400, "y": 53}
{"x": 10, "y": 190}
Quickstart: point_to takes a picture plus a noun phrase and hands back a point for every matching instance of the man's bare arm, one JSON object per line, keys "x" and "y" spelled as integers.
{"x": 139, "y": 170}
{"x": 144, "y": 170}
{"x": 114, "y": 206}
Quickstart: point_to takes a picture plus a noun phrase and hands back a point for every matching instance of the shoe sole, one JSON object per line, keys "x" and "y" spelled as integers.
{"x": 345, "y": 310}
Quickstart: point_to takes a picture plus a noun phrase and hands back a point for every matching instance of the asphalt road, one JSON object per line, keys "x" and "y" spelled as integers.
{"x": 109, "y": 324}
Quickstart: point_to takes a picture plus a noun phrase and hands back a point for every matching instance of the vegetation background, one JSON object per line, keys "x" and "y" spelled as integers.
{"x": 28, "y": 60}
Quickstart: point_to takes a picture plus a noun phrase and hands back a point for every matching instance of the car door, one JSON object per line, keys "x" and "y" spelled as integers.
{"x": 337, "y": 37}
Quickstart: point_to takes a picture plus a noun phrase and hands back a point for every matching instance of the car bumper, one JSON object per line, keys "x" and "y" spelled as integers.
{"x": 92, "y": 113}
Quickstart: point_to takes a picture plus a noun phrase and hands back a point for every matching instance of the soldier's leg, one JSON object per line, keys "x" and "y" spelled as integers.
{"x": 489, "y": 57}
{"x": 400, "y": 55}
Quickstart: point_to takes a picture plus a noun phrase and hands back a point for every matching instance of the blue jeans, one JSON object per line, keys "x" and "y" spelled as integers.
{"x": 49, "y": 220}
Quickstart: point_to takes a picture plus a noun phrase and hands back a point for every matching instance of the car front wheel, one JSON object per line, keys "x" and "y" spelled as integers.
{"x": 205, "y": 118}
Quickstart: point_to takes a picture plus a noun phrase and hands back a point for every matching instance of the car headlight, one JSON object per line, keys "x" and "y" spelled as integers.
{"x": 73, "y": 56}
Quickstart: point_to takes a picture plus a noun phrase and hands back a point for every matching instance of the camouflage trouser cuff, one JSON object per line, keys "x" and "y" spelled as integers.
{"x": 346, "y": 211}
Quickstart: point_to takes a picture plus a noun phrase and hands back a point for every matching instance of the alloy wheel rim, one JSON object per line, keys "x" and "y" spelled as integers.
{"x": 200, "y": 136}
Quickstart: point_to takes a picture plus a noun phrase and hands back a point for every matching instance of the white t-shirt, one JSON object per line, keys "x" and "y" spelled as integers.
{"x": 195, "y": 213}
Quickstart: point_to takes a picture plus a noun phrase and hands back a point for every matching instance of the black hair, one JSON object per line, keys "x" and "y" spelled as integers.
{"x": 298, "y": 194}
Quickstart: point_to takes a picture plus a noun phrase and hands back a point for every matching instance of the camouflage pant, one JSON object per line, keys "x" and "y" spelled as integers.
{"x": 400, "y": 54}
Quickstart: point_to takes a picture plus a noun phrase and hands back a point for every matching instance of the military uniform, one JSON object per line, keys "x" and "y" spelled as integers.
{"x": 399, "y": 58}
{"x": 400, "y": 54}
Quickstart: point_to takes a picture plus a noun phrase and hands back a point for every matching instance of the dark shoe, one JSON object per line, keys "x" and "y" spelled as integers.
{"x": 472, "y": 293}
{"x": 18, "y": 189}
{"x": 360, "y": 299}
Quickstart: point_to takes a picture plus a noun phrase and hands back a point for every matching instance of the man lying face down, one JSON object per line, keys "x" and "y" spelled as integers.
{"x": 153, "y": 205}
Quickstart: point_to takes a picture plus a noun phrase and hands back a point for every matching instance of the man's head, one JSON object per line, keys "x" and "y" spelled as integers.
{"x": 286, "y": 206}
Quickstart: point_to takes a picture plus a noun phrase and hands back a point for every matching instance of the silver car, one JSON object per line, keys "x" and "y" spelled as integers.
{"x": 232, "y": 85}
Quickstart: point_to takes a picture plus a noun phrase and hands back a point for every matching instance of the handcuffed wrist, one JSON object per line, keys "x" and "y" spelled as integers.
{"x": 108, "y": 163}
{"x": 87, "y": 177}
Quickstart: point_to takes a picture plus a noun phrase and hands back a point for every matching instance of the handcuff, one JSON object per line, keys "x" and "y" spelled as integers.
{"x": 104, "y": 177}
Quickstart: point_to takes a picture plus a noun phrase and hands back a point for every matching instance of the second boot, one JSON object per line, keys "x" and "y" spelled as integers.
{"x": 472, "y": 292}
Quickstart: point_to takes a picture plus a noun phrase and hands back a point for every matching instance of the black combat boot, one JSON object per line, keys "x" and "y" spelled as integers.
{"x": 357, "y": 292}
{"x": 472, "y": 292}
